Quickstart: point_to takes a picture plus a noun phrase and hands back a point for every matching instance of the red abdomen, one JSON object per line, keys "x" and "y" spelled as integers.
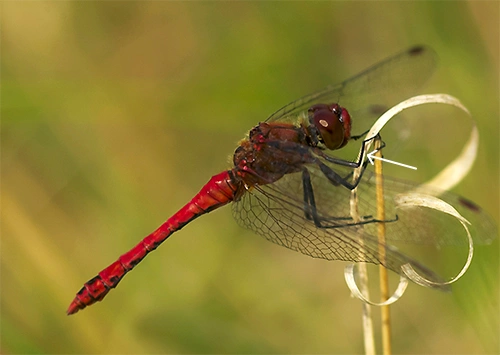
{"x": 220, "y": 190}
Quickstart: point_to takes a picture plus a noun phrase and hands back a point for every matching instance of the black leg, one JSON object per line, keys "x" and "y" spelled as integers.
{"x": 336, "y": 179}
{"x": 310, "y": 210}
{"x": 359, "y": 135}
{"x": 309, "y": 202}
{"x": 311, "y": 213}
{"x": 348, "y": 163}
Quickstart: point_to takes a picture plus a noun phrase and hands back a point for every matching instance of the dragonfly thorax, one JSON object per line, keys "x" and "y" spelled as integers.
{"x": 271, "y": 151}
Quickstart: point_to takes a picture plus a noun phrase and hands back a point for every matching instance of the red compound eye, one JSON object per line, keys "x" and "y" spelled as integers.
{"x": 333, "y": 124}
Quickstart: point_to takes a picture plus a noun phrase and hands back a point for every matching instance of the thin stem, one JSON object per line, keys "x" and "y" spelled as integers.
{"x": 368, "y": 333}
{"x": 384, "y": 283}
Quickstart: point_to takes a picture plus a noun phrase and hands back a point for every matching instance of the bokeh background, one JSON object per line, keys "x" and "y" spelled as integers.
{"x": 114, "y": 114}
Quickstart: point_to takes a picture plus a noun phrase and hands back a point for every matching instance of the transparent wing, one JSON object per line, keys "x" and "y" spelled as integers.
{"x": 276, "y": 211}
{"x": 378, "y": 87}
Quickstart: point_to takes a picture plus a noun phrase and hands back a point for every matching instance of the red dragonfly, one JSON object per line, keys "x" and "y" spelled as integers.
{"x": 286, "y": 186}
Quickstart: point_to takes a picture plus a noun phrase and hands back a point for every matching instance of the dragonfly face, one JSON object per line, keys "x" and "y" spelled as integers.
{"x": 331, "y": 124}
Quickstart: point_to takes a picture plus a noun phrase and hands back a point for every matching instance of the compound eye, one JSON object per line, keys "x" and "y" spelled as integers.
{"x": 333, "y": 124}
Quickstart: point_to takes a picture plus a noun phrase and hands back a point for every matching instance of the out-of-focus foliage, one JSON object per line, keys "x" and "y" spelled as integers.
{"x": 113, "y": 114}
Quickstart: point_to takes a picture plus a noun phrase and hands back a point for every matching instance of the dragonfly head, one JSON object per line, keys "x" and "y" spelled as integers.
{"x": 331, "y": 123}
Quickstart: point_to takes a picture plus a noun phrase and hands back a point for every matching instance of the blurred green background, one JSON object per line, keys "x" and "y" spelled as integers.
{"x": 114, "y": 114}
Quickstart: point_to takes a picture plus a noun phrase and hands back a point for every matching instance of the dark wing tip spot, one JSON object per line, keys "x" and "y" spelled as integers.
{"x": 416, "y": 50}
{"x": 469, "y": 204}
{"x": 378, "y": 110}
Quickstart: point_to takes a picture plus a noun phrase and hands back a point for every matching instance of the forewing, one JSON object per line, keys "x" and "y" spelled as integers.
{"x": 378, "y": 87}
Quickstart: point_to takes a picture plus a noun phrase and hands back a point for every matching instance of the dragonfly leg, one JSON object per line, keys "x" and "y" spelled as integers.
{"x": 309, "y": 202}
{"x": 359, "y": 135}
{"x": 311, "y": 213}
{"x": 310, "y": 210}
{"x": 336, "y": 179}
{"x": 348, "y": 163}
{"x": 352, "y": 164}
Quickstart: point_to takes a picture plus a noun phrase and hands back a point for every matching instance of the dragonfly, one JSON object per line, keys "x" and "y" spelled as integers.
{"x": 287, "y": 186}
